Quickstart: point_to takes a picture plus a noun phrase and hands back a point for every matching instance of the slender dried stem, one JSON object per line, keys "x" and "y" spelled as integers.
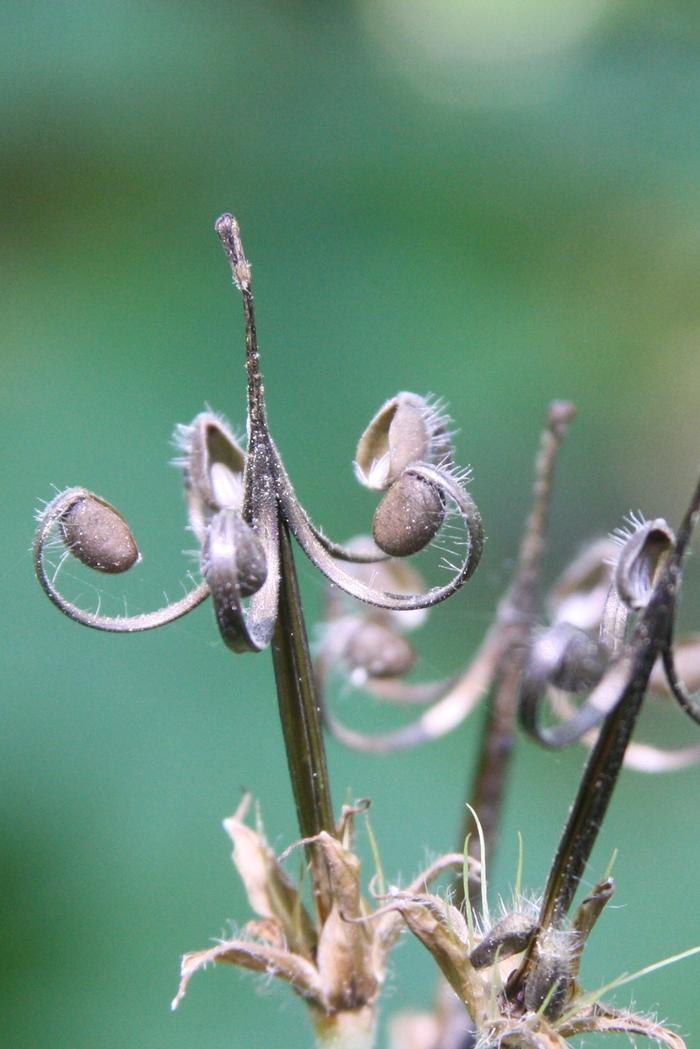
{"x": 515, "y": 620}
{"x": 300, "y": 715}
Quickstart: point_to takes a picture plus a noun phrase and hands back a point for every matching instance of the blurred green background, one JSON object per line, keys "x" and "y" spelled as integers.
{"x": 493, "y": 200}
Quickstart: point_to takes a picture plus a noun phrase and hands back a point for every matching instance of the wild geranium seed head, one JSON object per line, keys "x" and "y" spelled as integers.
{"x": 406, "y": 451}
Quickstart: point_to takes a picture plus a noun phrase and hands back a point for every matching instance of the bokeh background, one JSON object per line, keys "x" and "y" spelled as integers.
{"x": 493, "y": 200}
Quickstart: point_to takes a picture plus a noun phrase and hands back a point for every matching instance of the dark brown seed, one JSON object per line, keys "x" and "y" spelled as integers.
{"x": 98, "y": 535}
{"x": 408, "y": 517}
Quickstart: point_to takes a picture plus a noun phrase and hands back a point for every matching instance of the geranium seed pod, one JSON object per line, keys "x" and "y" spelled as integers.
{"x": 549, "y": 983}
{"x": 407, "y": 429}
{"x": 507, "y": 937}
{"x": 566, "y": 657}
{"x": 233, "y": 559}
{"x": 378, "y": 651}
{"x": 641, "y": 561}
{"x": 408, "y": 517}
{"x": 98, "y": 535}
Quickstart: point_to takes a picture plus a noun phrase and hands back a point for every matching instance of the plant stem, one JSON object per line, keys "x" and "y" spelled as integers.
{"x": 300, "y": 715}
{"x": 514, "y": 622}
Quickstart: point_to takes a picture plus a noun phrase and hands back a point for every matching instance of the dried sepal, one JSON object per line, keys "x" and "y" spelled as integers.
{"x": 602, "y": 1019}
{"x": 345, "y": 956}
{"x": 587, "y": 914}
{"x": 443, "y": 930}
{"x": 270, "y": 891}
{"x": 259, "y": 957}
{"x": 96, "y": 533}
{"x": 406, "y": 429}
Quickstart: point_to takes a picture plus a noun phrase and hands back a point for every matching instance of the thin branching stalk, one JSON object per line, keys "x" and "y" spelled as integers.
{"x": 514, "y": 624}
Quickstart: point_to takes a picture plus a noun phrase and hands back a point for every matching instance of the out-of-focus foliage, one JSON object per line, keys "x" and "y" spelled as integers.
{"x": 495, "y": 201}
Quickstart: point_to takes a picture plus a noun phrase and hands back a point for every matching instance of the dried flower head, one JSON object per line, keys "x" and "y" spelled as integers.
{"x": 336, "y": 961}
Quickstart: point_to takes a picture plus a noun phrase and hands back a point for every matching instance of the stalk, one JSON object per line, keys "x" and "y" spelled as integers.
{"x": 300, "y": 716}
{"x": 514, "y": 623}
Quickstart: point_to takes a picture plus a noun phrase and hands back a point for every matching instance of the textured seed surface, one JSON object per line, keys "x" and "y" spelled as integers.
{"x": 408, "y": 517}
{"x": 98, "y": 536}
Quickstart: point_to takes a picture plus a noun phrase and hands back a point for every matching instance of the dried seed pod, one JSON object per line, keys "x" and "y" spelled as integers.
{"x": 408, "y": 517}
{"x": 233, "y": 559}
{"x": 407, "y": 429}
{"x": 549, "y": 983}
{"x": 641, "y": 561}
{"x": 213, "y": 462}
{"x": 375, "y": 650}
{"x": 98, "y": 535}
{"x": 507, "y": 937}
{"x": 566, "y": 657}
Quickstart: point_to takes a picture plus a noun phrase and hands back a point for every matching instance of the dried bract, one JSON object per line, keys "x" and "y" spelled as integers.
{"x": 337, "y": 962}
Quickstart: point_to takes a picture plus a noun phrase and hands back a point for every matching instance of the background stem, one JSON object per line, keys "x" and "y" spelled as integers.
{"x": 514, "y": 622}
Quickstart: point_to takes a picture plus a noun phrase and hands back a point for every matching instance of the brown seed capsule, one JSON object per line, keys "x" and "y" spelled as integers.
{"x": 507, "y": 937}
{"x": 408, "y": 517}
{"x": 568, "y": 658}
{"x": 233, "y": 558}
{"x": 549, "y": 983}
{"x": 378, "y": 651}
{"x": 98, "y": 535}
